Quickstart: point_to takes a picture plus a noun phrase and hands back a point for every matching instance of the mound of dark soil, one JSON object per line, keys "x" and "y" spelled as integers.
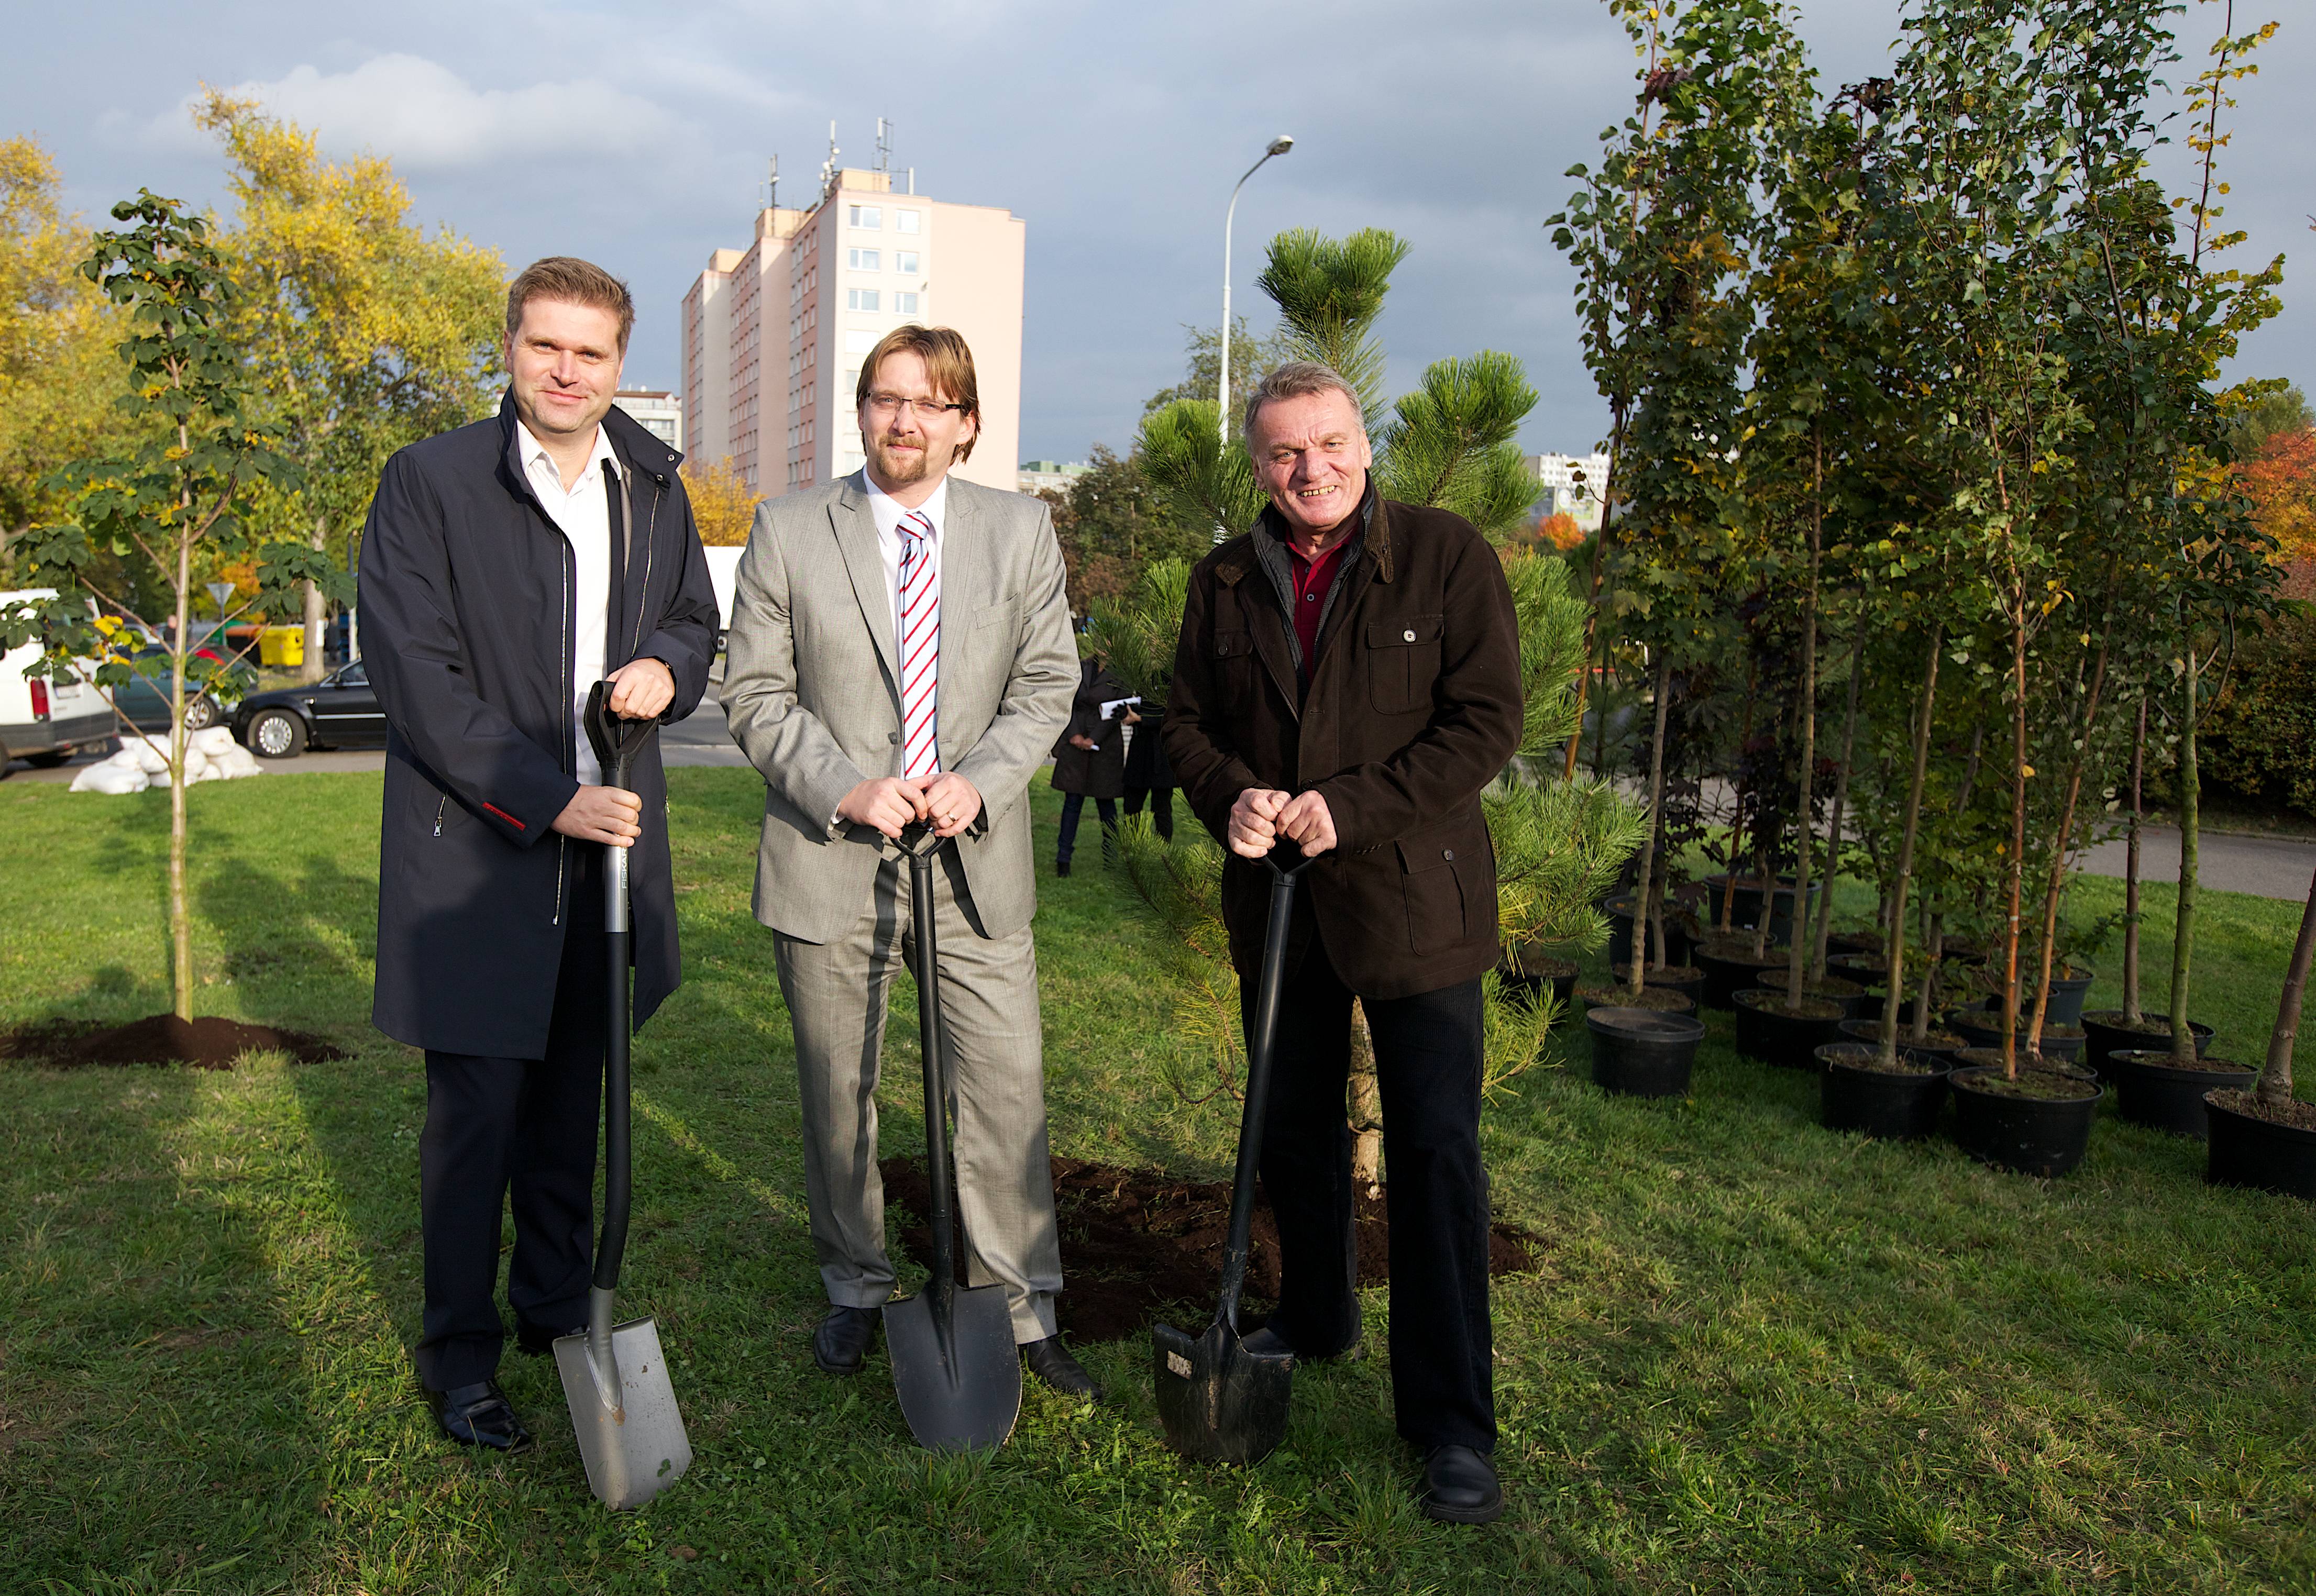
{"x": 1139, "y": 1246}
{"x": 207, "y": 1042}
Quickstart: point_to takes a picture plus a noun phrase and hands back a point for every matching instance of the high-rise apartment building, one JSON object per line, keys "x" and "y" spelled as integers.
{"x": 773, "y": 334}
{"x": 1573, "y": 485}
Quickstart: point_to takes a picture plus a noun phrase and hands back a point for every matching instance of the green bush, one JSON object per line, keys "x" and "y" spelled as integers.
{"x": 2259, "y": 740}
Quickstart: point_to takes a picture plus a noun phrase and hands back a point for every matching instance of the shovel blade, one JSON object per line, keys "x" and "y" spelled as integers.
{"x": 633, "y": 1455}
{"x": 959, "y": 1382}
{"x": 1220, "y": 1403}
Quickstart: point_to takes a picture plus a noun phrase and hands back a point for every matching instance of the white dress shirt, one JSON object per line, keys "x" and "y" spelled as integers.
{"x": 584, "y": 516}
{"x": 886, "y": 511}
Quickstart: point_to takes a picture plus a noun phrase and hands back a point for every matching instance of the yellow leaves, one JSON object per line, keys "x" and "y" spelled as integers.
{"x": 722, "y": 502}
{"x": 2027, "y": 771}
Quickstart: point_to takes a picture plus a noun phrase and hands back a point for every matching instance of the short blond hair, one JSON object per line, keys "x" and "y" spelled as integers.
{"x": 574, "y": 281}
{"x": 948, "y": 367}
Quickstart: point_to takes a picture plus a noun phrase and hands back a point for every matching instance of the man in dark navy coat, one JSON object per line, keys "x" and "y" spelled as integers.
{"x": 506, "y": 567}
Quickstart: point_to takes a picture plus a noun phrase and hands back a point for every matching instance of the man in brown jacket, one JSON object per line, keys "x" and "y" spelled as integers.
{"x": 1349, "y": 680}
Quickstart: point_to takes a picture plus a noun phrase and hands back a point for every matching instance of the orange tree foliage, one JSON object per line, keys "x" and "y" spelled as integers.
{"x": 722, "y": 502}
{"x": 1559, "y": 529}
{"x": 2281, "y": 481}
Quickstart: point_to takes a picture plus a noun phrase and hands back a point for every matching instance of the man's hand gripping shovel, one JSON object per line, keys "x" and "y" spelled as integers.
{"x": 615, "y": 1379}
{"x": 1219, "y": 1402}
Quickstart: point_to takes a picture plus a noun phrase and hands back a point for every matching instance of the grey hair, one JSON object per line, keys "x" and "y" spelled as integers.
{"x": 1298, "y": 379}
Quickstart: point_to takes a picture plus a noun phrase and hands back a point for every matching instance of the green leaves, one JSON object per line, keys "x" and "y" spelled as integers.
{"x": 1329, "y": 292}
{"x": 1203, "y": 481}
{"x": 1449, "y": 443}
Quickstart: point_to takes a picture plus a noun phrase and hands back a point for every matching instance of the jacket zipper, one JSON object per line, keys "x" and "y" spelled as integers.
{"x": 644, "y": 598}
{"x": 438, "y": 813}
{"x": 561, "y": 851}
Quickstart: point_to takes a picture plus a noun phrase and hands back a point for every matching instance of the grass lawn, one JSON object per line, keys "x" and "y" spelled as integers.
{"x": 1757, "y": 1356}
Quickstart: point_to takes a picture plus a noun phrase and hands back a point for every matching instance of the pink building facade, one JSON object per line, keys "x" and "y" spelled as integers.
{"x": 774, "y": 335}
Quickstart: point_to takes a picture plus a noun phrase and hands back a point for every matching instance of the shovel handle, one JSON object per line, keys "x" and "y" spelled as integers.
{"x": 1260, "y": 1046}
{"x": 928, "y": 1037}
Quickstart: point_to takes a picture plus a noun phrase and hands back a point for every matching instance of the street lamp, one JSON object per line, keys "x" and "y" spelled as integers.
{"x": 1278, "y": 146}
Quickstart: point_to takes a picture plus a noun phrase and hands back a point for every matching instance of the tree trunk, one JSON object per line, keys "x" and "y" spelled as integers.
{"x": 1737, "y": 817}
{"x": 2058, "y": 882}
{"x": 312, "y": 670}
{"x": 1934, "y": 943}
{"x": 1365, "y": 1102}
{"x": 2183, "y": 931}
{"x": 2274, "y": 1087}
{"x": 1833, "y": 817}
{"x": 1798, "y": 957}
{"x": 181, "y": 923}
{"x": 2014, "y": 862}
{"x": 1592, "y": 627}
{"x": 1639, "y": 978}
{"x": 1895, "y": 954}
{"x": 2130, "y": 873}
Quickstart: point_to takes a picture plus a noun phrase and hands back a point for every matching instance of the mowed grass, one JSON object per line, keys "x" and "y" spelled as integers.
{"x": 1755, "y": 1356}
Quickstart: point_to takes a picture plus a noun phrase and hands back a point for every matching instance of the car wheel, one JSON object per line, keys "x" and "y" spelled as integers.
{"x": 276, "y": 734}
{"x": 200, "y": 714}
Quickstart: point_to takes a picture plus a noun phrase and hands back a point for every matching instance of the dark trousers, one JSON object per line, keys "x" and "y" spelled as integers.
{"x": 1072, "y": 804}
{"x": 1161, "y": 808}
{"x": 1428, "y": 1064}
{"x": 520, "y": 1127}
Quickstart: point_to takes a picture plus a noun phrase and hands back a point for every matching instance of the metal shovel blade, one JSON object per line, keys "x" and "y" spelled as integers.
{"x": 636, "y": 1451}
{"x": 1220, "y": 1403}
{"x": 959, "y": 1382}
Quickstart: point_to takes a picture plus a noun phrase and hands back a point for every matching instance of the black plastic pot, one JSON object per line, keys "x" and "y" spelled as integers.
{"x": 1767, "y": 1033}
{"x": 2043, "y": 1136}
{"x": 2104, "y": 1033}
{"x": 2068, "y": 990}
{"x": 1869, "y": 1029}
{"x": 1641, "y": 1052}
{"x": 1729, "y": 973}
{"x": 2152, "y": 1090}
{"x": 1897, "y": 1107}
{"x": 1686, "y": 979}
{"x": 2249, "y": 1151}
{"x": 1867, "y": 970}
{"x": 1746, "y": 907}
{"x": 1855, "y": 1000}
{"x": 1852, "y": 942}
{"x": 1530, "y": 971}
{"x": 1986, "y": 1029}
{"x": 1620, "y": 911}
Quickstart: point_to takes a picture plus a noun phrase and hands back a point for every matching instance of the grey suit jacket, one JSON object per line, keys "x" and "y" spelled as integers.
{"x": 812, "y": 691}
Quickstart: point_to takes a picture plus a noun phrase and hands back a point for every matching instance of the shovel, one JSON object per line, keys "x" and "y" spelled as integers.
{"x": 954, "y": 1367}
{"x": 1219, "y": 1402}
{"x": 614, "y": 1376}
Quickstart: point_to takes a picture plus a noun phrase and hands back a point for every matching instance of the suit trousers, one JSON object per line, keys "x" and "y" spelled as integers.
{"x": 1161, "y": 808}
{"x": 1427, "y": 1055}
{"x": 519, "y": 1128}
{"x": 836, "y": 994}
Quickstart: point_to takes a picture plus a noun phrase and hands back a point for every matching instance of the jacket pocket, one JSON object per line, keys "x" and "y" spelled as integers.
{"x": 1403, "y": 662}
{"x": 1433, "y": 865}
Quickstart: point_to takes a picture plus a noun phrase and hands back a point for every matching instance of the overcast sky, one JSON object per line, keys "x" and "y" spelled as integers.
{"x": 637, "y": 135}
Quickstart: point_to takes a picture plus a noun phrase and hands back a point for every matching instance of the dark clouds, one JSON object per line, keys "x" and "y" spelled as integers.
{"x": 637, "y": 135}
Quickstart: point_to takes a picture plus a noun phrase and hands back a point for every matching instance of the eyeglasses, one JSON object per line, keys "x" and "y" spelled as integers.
{"x": 894, "y": 403}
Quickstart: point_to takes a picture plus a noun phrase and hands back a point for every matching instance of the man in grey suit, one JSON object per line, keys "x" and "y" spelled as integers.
{"x": 899, "y": 653}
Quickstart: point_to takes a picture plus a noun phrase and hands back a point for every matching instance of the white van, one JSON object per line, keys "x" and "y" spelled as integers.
{"x": 43, "y": 722}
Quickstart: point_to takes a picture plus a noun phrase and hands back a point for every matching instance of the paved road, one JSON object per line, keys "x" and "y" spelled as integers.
{"x": 2226, "y": 862}
{"x": 698, "y": 739}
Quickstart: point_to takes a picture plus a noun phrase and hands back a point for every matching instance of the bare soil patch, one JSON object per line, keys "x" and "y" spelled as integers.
{"x": 1136, "y": 1243}
{"x": 207, "y": 1042}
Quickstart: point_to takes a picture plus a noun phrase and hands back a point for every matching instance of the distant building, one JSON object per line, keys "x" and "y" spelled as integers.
{"x": 773, "y": 334}
{"x": 658, "y": 411}
{"x": 1572, "y": 484}
{"x": 1035, "y": 476}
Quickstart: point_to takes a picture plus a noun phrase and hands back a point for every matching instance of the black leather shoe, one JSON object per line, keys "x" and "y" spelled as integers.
{"x": 1267, "y": 1343}
{"x": 1060, "y": 867}
{"x": 1051, "y": 1362}
{"x": 480, "y": 1415}
{"x": 1459, "y": 1486}
{"x": 538, "y": 1340}
{"x": 843, "y": 1340}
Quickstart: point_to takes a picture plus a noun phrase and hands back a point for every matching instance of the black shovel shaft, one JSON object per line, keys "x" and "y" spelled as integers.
{"x": 928, "y": 1037}
{"x": 1258, "y": 1089}
{"x": 617, "y": 742}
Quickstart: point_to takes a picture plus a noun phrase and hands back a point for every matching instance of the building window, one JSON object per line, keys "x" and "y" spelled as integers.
{"x": 905, "y": 261}
{"x": 905, "y": 304}
{"x": 868, "y": 261}
{"x": 905, "y": 221}
{"x": 860, "y": 299}
{"x": 868, "y": 216}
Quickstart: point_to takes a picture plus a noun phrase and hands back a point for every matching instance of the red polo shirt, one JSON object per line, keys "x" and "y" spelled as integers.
{"x": 1313, "y": 580}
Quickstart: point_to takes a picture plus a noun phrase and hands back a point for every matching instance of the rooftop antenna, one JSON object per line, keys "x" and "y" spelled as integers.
{"x": 773, "y": 186}
{"x": 883, "y": 145}
{"x": 828, "y": 167}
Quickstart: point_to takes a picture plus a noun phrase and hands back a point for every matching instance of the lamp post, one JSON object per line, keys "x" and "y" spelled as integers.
{"x": 1278, "y": 146}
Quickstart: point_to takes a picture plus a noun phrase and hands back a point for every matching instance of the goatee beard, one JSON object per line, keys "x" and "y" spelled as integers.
{"x": 898, "y": 467}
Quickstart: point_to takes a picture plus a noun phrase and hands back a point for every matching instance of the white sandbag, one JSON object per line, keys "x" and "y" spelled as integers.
{"x": 212, "y": 740}
{"x": 236, "y": 762}
{"x": 109, "y": 777}
{"x": 151, "y": 760}
{"x": 126, "y": 756}
{"x": 197, "y": 765}
{"x": 206, "y": 772}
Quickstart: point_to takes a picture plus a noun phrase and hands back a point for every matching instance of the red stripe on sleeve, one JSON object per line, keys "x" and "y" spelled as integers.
{"x": 509, "y": 819}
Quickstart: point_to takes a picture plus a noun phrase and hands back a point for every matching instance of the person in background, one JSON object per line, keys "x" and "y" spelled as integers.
{"x": 1090, "y": 761}
{"x": 1347, "y": 683}
{"x": 1149, "y": 773}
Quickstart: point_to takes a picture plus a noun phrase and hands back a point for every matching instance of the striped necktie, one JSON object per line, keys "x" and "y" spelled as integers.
{"x": 920, "y": 647}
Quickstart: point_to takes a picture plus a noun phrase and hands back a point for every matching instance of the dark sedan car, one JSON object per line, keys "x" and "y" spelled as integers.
{"x": 340, "y": 711}
{"x": 145, "y": 698}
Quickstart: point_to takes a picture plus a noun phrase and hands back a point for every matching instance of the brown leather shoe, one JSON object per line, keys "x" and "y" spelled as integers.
{"x": 1051, "y": 1362}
